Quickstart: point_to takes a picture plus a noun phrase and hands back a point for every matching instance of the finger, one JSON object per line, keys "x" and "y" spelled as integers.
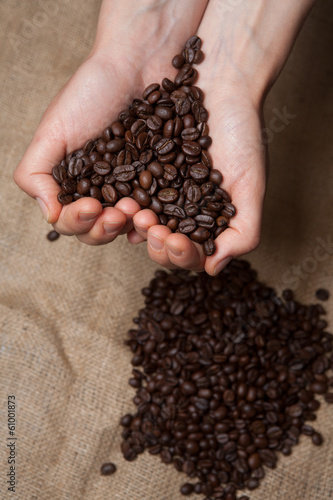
{"x": 106, "y": 228}
{"x": 143, "y": 220}
{"x": 78, "y": 217}
{"x": 32, "y": 175}
{"x": 184, "y": 253}
{"x": 156, "y": 246}
{"x": 243, "y": 234}
{"x": 134, "y": 238}
{"x": 129, "y": 208}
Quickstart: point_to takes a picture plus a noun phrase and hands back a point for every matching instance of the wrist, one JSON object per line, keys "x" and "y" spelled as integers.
{"x": 249, "y": 41}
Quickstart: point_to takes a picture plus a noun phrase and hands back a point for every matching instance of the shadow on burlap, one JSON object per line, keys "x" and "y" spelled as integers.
{"x": 65, "y": 308}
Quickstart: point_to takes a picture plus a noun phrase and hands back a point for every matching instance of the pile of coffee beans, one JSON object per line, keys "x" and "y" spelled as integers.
{"x": 228, "y": 380}
{"x": 156, "y": 152}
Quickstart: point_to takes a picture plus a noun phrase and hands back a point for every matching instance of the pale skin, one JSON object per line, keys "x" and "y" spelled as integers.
{"x": 246, "y": 43}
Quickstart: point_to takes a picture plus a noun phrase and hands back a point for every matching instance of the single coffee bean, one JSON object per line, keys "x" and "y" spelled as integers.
{"x": 209, "y": 247}
{"x": 114, "y": 146}
{"x": 150, "y": 89}
{"x": 117, "y": 129}
{"x": 64, "y": 198}
{"x": 187, "y": 226}
{"x": 199, "y": 172}
{"x": 53, "y": 235}
{"x": 145, "y": 179}
{"x": 108, "y": 469}
{"x": 322, "y": 294}
{"x": 141, "y": 197}
{"x": 200, "y": 235}
{"x": 109, "y": 193}
{"x": 186, "y": 489}
{"x": 168, "y": 195}
{"x": 124, "y": 173}
{"x": 156, "y": 205}
{"x": 96, "y": 193}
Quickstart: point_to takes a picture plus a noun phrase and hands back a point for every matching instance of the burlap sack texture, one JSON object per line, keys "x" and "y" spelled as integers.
{"x": 65, "y": 307}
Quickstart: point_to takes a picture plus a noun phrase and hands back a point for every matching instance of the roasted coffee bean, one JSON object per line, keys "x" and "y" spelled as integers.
{"x": 199, "y": 172}
{"x": 59, "y": 173}
{"x": 187, "y": 226}
{"x": 156, "y": 205}
{"x": 186, "y": 489}
{"x": 109, "y": 193}
{"x": 124, "y": 173}
{"x": 53, "y": 235}
{"x": 205, "y": 221}
{"x": 117, "y": 129}
{"x": 209, "y": 247}
{"x": 114, "y": 146}
{"x": 64, "y": 198}
{"x": 191, "y": 148}
{"x": 150, "y": 89}
{"x": 123, "y": 188}
{"x": 168, "y": 195}
{"x": 95, "y": 192}
{"x": 228, "y": 210}
{"x": 141, "y": 197}
{"x": 174, "y": 211}
{"x": 102, "y": 168}
{"x": 200, "y": 235}
{"x": 145, "y": 179}
{"x": 164, "y": 146}
{"x": 190, "y": 134}
{"x": 83, "y": 186}
{"x": 322, "y": 294}
{"x": 108, "y": 469}
{"x": 68, "y": 186}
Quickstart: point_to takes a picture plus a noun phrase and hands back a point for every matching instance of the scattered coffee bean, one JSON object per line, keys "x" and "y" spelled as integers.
{"x": 157, "y": 144}
{"x": 53, "y": 235}
{"x": 226, "y": 374}
{"x": 108, "y": 469}
{"x": 322, "y": 294}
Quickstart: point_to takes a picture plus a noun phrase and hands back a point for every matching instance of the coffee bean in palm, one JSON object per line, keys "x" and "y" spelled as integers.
{"x": 168, "y": 195}
{"x": 141, "y": 197}
{"x": 157, "y": 144}
{"x": 109, "y": 193}
{"x": 209, "y": 247}
{"x": 187, "y": 226}
{"x": 200, "y": 235}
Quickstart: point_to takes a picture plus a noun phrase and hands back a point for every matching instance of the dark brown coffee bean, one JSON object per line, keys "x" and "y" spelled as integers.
{"x": 228, "y": 210}
{"x": 83, "y": 186}
{"x": 199, "y": 172}
{"x": 102, "y": 168}
{"x": 187, "y": 226}
{"x": 64, "y": 198}
{"x": 68, "y": 186}
{"x": 123, "y": 188}
{"x": 109, "y": 193}
{"x": 108, "y": 469}
{"x": 193, "y": 43}
{"x": 163, "y": 112}
{"x": 96, "y": 193}
{"x": 186, "y": 489}
{"x": 317, "y": 439}
{"x": 205, "y": 221}
{"x": 53, "y": 235}
{"x": 141, "y": 197}
{"x": 174, "y": 211}
{"x": 200, "y": 235}
{"x": 156, "y": 205}
{"x": 164, "y": 146}
{"x": 117, "y": 129}
{"x": 209, "y": 247}
{"x": 190, "y": 134}
{"x": 145, "y": 179}
{"x": 168, "y": 195}
{"x": 198, "y": 57}
{"x": 329, "y": 397}
{"x": 124, "y": 173}
{"x": 191, "y": 148}
{"x": 150, "y": 89}
{"x": 59, "y": 173}
{"x": 322, "y": 294}
{"x": 113, "y": 146}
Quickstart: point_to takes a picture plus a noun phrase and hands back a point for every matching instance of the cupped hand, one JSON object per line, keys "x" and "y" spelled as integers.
{"x": 116, "y": 72}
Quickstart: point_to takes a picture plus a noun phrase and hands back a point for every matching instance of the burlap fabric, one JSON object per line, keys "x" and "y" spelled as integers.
{"x": 65, "y": 308}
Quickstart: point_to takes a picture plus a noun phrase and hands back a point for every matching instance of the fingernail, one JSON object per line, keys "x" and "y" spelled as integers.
{"x": 88, "y": 216}
{"x": 218, "y": 268}
{"x": 156, "y": 243}
{"x": 112, "y": 227}
{"x": 174, "y": 250}
{"x": 44, "y": 209}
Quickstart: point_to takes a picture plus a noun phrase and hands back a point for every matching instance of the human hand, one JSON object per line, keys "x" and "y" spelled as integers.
{"x": 129, "y": 54}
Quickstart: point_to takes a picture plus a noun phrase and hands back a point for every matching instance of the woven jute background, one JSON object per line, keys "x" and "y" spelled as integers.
{"x": 65, "y": 307}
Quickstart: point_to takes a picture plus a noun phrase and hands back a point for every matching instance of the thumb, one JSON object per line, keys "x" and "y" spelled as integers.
{"x": 34, "y": 172}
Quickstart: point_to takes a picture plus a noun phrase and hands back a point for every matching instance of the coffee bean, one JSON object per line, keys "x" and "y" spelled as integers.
{"x": 322, "y": 294}
{"x": 53, "y": 235}
{"x": 191, "y": 148}
{"x": 186, "y": 489}
{"x": 174, "y": 211}
{"x": 178, "y": 61}
{"x": 187, "y": 226}
{"x": 317, "y": 438}
{"x": 109, "y": 194}
{"x": 124, "y": 173}
{"x": 95, "y": 192}
{"x": 108, "y": 469}
{"x": 114, "y": 146}
{"x": 209, "y": 247}
{"x": 150, "y": 89}
{"x": 64, "y": 198}
{"x": 199, "y": 172}
{"x": 200, "y": 235}
{"x": 168, "y": 195}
